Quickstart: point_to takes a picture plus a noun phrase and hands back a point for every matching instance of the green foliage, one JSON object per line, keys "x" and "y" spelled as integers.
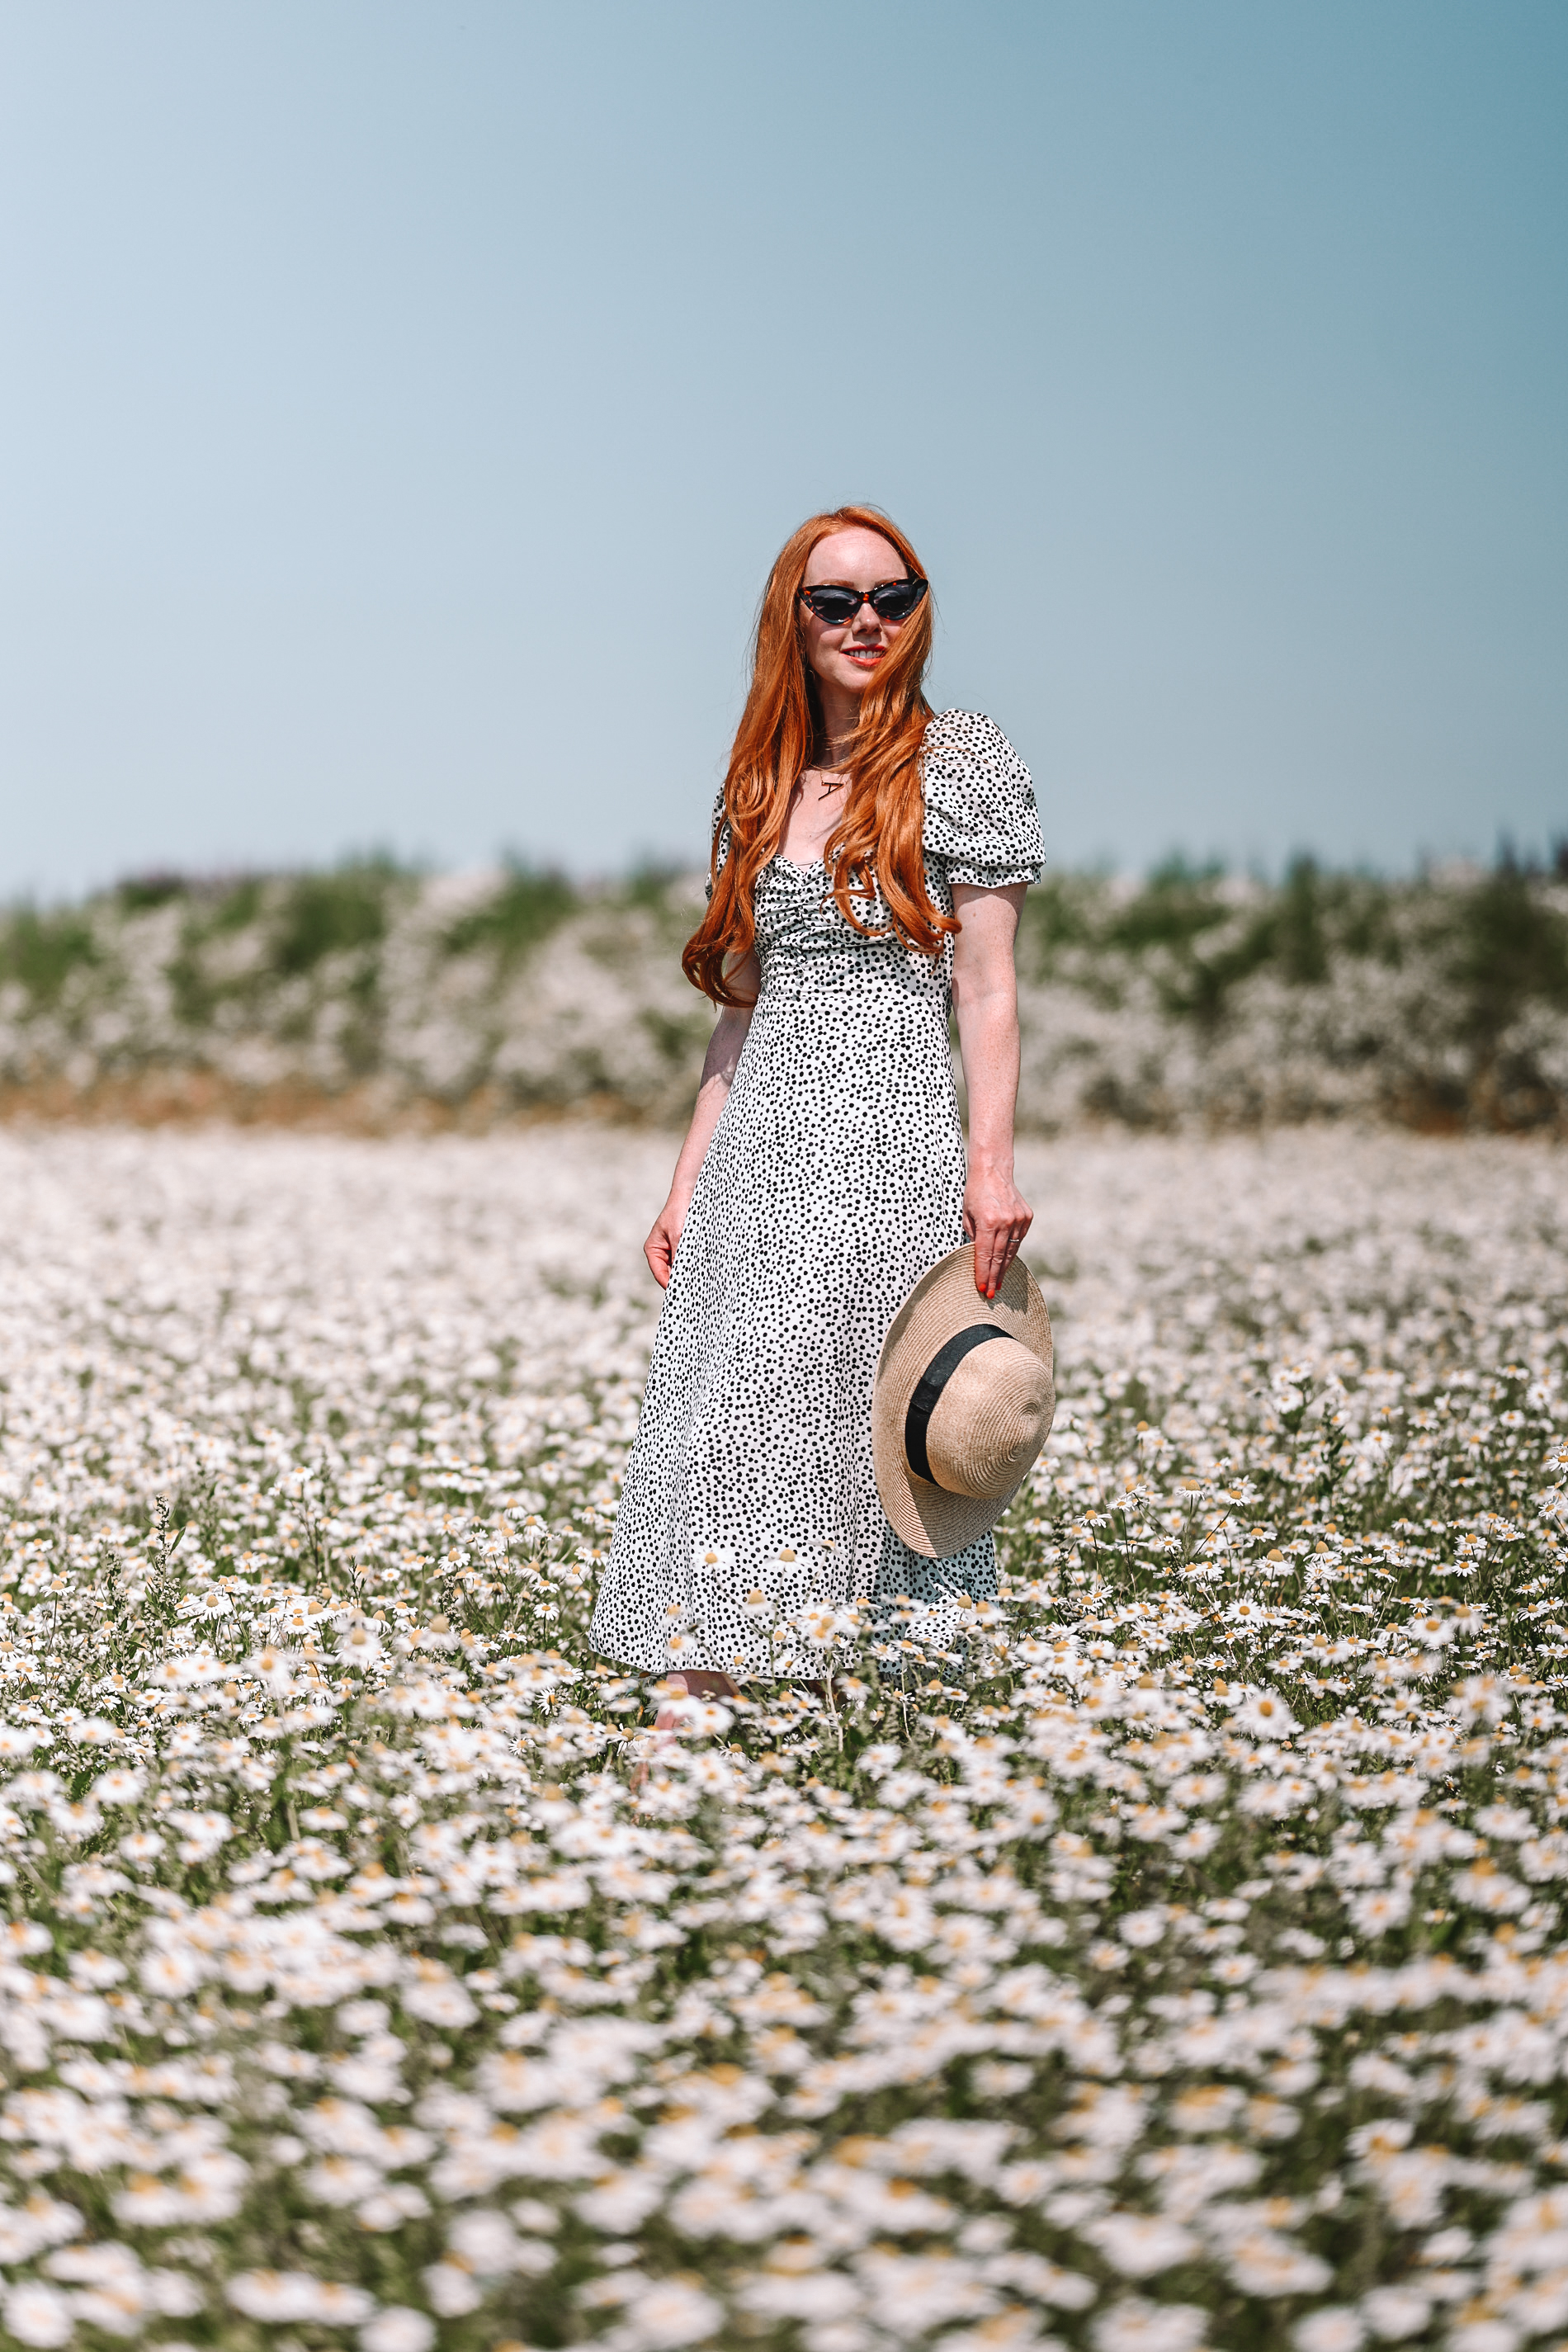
{"x": 194, "y": 998}
{"x": 1175, "y": 905}
{"x": 41, "y": 951}
{"x": 648, "y": 885}
{"x": 239, "y": 905}
{"x": 139, "y": 892}
{"x": 1499, "y": 939}
{"x": 517, "y": 918}
{"x": 1060, "y": 914}
{"x": 676, "y": 1039}
{"x": 1302, "y": 946}
{"x": 322, "y": 914}
{"x": 1512, "y": 946}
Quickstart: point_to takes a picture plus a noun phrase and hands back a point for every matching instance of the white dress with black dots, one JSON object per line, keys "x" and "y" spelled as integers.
{"x": 834, "y": 1180}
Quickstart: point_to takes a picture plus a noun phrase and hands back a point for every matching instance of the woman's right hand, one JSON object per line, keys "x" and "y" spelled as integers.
{"x": 665, "y": 1239}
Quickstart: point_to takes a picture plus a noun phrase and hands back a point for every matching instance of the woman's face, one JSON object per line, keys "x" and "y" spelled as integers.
{"x": 849, "y": 657}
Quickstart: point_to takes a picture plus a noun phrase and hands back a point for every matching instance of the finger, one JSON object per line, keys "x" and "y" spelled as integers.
{"x": 987, "y": 1266}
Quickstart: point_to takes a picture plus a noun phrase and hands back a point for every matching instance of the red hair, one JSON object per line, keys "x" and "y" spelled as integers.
{"x": 877, "y": 843}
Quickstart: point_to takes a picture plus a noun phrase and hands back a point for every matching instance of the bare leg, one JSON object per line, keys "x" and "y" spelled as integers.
{"x": 695, "y": 1682}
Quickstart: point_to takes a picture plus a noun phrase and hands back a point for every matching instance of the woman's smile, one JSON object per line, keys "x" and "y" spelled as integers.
{"x": 844, "y": 656}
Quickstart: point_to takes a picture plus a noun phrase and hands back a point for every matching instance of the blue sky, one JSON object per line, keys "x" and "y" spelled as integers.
{"x": 401, "y": 404}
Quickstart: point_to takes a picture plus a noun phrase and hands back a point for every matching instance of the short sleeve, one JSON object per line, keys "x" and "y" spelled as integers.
{"x": 720, "y": 840}
{"x": 980, "y": 815}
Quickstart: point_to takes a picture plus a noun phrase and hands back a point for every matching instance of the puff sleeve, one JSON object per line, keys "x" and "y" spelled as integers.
{"x": 980, "y": 815}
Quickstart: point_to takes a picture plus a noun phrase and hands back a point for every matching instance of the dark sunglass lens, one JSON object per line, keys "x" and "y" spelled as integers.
{"x": 834, "y": 605}
{"x": 897, "y": 599}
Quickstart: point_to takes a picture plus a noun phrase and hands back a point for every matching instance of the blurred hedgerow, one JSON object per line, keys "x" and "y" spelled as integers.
{"x": 1192, "y": 996}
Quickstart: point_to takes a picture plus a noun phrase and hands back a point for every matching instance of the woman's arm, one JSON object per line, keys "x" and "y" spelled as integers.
{"x": 718, "y": 1075}
{"x": 985, "y": 1000}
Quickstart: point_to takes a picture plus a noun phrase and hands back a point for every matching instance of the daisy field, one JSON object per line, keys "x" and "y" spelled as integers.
{"x": 1166, "y": 1953}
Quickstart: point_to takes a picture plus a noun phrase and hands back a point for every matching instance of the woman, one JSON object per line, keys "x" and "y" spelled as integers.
{"x": 869, "y": 862}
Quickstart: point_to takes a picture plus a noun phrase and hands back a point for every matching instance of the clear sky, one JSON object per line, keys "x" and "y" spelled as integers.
{"x": 400, "y": 405}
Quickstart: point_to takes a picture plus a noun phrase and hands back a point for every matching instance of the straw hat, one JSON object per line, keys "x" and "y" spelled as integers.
{"x": 962, "y": 1403}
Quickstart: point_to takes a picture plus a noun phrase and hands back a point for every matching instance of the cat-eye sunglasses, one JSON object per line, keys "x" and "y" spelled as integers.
{"x": 891, "y": 600}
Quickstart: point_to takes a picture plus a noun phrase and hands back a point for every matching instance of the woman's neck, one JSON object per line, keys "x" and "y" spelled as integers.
{"x": 841, "y": 718}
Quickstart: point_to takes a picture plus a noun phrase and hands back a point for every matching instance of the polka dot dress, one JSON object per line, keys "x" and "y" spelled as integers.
{"x": 834, "y": 1180}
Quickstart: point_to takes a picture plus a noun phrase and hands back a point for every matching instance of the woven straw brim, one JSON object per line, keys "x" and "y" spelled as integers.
{"x": 930, "y": 1520}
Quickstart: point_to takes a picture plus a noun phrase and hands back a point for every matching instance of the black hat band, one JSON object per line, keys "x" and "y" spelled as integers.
{"x": 929, "y": 1388}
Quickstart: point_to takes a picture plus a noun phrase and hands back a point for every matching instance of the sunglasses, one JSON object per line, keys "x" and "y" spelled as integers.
{"x": 892, "y": 600}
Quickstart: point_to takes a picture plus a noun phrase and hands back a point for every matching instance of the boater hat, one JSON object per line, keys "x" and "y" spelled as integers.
{"x": 962, "y": 1403}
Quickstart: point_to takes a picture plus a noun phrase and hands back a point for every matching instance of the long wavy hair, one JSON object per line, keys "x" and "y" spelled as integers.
{"x": 876, "y": 846}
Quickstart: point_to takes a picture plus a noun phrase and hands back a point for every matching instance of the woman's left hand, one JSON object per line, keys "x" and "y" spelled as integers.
{"x": 996, "y": 1217}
